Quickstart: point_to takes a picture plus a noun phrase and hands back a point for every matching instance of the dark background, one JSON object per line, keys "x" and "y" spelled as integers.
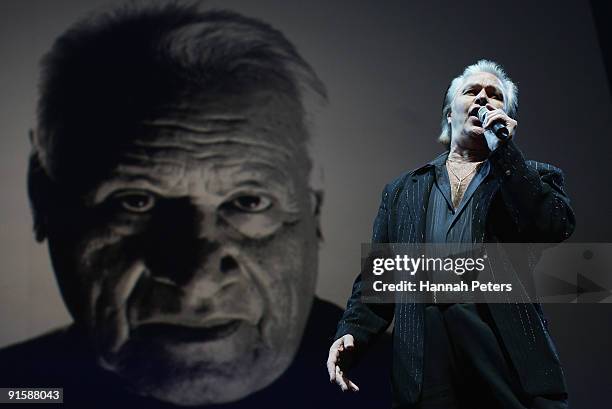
{"x": 386, "y": 66}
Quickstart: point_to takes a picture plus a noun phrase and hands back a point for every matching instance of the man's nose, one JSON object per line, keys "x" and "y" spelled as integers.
{"x": 212, "y": 269}
{"x": 205, "y": 222}
{"x": 183, "y": 262}
{"x": 481, "y": 99}
{"x": 191, "y": 279}
{"x": 192, "y": 248}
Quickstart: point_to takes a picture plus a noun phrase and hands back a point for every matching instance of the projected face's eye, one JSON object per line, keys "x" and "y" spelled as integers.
{"x": 135, "y": 201}
{"x": 250, "y": 203}
{"x": 255, "y": 214}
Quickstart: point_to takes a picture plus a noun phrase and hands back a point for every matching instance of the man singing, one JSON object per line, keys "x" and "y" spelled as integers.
{"x": 481, "y": 190}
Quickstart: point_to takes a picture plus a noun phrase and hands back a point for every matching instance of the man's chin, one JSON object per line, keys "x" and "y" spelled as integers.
{"x": 180, "y": 369}
{"x": 208, "y": 388}
{"x": 205, "y": 383}
{"x": 476, "y": 131}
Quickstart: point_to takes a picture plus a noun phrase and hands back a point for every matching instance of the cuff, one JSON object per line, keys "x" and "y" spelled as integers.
{"x": 508, "y": 161}
{"x": 361, "y": 335}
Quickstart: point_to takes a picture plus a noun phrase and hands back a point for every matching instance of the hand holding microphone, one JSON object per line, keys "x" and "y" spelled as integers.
{"x": 498, "y": 126}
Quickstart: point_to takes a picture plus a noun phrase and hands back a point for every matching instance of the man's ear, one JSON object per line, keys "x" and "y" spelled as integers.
{"x": 317, "y": 203}
{"x": 39, "y": 192}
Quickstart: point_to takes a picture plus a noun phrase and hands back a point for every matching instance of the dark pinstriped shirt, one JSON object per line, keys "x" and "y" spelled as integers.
{"x": 445, "y": 224}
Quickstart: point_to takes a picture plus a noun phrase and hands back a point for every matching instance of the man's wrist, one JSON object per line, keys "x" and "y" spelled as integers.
{"x": 507, "y": 160}
{"x": 493, "y": 142}
{"x": 360, "y": 335}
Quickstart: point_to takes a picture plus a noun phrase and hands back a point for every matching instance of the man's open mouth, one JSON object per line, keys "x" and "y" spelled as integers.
{"x": 474, "y": 111}
{"x": 182, "y": 333}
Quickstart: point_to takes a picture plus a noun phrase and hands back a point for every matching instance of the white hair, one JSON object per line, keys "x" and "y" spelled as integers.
{"x": 509, "y": 89}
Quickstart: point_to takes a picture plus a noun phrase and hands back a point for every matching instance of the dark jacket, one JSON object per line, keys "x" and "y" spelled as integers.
{"x": 520, "y": 201}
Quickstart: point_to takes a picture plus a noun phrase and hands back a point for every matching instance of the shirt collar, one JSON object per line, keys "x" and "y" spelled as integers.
{"x": 440, "y": 160}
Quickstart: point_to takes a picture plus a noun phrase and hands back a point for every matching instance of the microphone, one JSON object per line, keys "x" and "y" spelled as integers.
{"x": 498, "y": 128}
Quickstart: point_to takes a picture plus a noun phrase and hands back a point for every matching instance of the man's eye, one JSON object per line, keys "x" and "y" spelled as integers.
{"x": 136, "y": 201}
{"x": 251, "y": 203}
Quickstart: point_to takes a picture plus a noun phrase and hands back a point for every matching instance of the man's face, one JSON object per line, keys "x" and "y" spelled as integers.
{"x": 477, "y": 91}
{"x": 192, "y": 262}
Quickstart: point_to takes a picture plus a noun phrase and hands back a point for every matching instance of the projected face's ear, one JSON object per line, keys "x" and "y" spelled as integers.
{"x": 39, "y": 192}
{"x": 316, "y": 200}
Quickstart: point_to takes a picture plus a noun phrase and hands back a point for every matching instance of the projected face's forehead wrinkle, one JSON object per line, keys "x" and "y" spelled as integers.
{"x": 274, "y": 116}
{"x": 197, "y": 138}
{"x": 162, "y": 141}
{"x": 212, "y": 178}
{"x": 256, "y": 118}
{"x": 174, "y": 164}
{"x": 225, "y": 142}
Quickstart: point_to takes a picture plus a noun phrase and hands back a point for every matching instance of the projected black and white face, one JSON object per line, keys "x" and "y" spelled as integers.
{"x": 191, "y": 256}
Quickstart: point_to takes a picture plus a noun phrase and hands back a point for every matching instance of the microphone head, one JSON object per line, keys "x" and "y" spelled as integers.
{"x": 482, "y": 114}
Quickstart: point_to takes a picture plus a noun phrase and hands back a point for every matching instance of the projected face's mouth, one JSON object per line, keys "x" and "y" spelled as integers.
{"x": 178, "y": 333}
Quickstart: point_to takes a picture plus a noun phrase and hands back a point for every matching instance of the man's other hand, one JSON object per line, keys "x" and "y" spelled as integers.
{"x": 339, "y": 351}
